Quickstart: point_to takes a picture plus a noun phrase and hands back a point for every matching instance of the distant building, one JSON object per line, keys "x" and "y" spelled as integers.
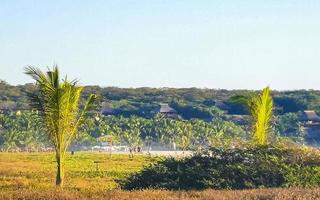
{"x": 166, "y": 110}
{"x": 310, "y": 117}
{"x": 310, "y": 122}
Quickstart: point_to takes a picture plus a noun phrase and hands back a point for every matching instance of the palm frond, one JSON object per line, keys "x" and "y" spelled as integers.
{"x": 58, "y": 104}
{"x": 262, "y": 107}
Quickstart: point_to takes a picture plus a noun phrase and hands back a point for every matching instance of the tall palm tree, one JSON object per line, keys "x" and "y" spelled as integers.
{"x": 58, "y": 104}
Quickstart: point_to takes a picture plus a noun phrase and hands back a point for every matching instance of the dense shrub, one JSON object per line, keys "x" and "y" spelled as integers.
{"x": 240, "y": 168}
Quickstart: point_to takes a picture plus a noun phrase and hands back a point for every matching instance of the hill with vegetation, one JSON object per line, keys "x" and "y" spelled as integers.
{"x": 137, "y": 101}
{"x": 206, "y": 116}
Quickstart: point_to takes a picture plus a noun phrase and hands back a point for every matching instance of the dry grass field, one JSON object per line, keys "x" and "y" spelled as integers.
{"x": 36, "y": 171}
{"x": 32, "y": 176}
{"x": 260, "y": 194}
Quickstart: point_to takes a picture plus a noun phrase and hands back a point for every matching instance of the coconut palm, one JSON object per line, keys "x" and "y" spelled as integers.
{"x": 185, "y": 134}
{"x": 58, "y": 104}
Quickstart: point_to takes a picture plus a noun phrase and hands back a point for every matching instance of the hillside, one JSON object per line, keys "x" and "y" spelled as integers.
{"x": 139, "y": 101}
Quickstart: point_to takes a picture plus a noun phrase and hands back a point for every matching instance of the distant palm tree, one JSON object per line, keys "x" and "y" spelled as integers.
{"x": 57, "y": 102}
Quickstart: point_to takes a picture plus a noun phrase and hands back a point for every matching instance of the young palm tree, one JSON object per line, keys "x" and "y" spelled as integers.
{"x": 261, "y": 107}
{"x": 57, "y": 102}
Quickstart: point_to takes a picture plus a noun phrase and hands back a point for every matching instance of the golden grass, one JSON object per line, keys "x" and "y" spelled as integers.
{"x": 37, "y": 171}
{"x": 32, "y": 176}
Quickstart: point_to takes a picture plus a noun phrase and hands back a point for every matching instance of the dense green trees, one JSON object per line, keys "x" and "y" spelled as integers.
{"x": 158, "y": 130}
{"x": 141, "y": 101}
{"x": 196, "y": 106}
{"x": 131, "y": 131}
{"x": 21, "y": 131}
{"x": 288, "y": 125}
{"x": 295, "y": 101}
{"x": 192, "y": 111}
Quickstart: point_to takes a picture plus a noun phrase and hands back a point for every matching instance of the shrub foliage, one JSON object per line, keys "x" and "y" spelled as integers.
{"x": 239, "y": 168}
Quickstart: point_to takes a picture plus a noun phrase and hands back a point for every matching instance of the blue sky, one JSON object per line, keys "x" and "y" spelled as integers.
{"x": 165, "y": 43}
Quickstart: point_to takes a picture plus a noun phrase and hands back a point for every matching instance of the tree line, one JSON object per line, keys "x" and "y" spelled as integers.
{"x": 23, "y": 131}
{"x": 191, "y": 102}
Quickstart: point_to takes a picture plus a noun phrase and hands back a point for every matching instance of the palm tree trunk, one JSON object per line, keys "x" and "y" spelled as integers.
{"x": 110, "y": 151}
{"x": 60, "y": 171}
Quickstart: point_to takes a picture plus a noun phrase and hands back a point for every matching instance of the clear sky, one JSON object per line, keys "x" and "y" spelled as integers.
{"x": 165, "y": 43}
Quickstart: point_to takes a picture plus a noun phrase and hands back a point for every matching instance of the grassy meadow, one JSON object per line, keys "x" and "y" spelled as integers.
{"x": 32, "y": 176}
{"x": 36, "y": 171}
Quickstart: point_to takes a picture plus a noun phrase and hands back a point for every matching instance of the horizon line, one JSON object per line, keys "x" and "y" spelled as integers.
{"x": 173, "y": 87}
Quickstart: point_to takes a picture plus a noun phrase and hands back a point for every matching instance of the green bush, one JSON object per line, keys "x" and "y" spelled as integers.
{"x": 240, "y": 168}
